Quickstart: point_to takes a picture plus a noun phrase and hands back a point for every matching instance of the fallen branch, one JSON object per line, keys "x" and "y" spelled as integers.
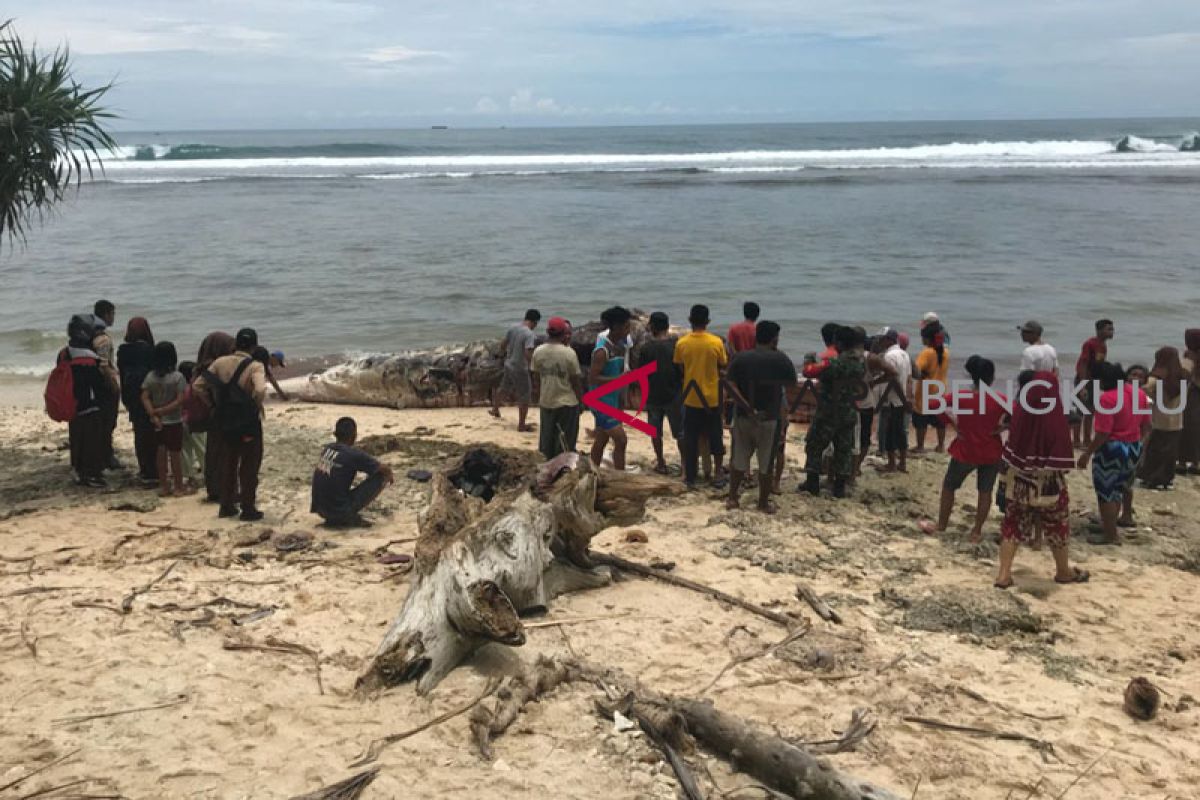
{"x": 607, "y": 559}
{"x": 273, "y": 645}
{"x": 378, "y": 745}
{"x": 818, "y": 605}
{"x": 217, "y": 601}
{"x": 127, "y": 602}
{"x": 760, "y": 653}
{"x": 551, "y": 623}
{"x": 974, "y": 695}
{"x": 18, "y": 781}
{"x": 102, "y": 606}
{"x": 487, "y": 724}
{"x": 862, "y": 725}
{"x": 41, "y": 590}
{"x": 29, "y": 643}
{"x": 348, "y": 789}
{"x": 1083, "y": 774}
{"x": 180, "y": 700}
{"x": 1042, "y": 746}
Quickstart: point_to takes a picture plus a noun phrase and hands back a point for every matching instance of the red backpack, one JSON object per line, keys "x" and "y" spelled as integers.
{"x": 60, "y": 387}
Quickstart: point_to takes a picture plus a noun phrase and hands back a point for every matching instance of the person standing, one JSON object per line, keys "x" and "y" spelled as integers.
{"x": 758, "y": 381}
{"x": 894, "y": 406}
{"x": 92, "y": 392}
{"x": 703, "y": 358}
{"x": 162, "y": 398}
{"x": 932, "y": 372}
{"x": 105, "y": 314}
{"x": 1091, "y": 356}
{"x": 1166, "y": 387}
{"x": 608, "y": 363}
{"x": 1189, "y": 444}
{"x": 1038, "y": 356}
{"x": 742, "y": 335}
{"x": 560, "y": 382}
{"x": 235, "y": 386}
{"x": 1117, "y": 447}
{"x": 216, "y": 345}
{"x": 979, "y": 418}
{"x": 836, "y": 420}
{"x": 663, "y": 401}
{"x": 1037, "y": 457}
{"x": 333, "y": 499}
{"x": 517, "y": 350}
{"x": 134, "y": 362}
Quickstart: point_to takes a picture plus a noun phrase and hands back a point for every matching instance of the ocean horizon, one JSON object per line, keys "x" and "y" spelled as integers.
{"x": 338, "y": 242}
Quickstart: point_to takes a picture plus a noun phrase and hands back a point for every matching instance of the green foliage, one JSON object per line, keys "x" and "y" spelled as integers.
{"x": 51, "y": 132}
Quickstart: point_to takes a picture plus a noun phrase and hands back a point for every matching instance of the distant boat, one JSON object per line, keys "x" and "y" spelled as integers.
{"x": 441, "y": 127}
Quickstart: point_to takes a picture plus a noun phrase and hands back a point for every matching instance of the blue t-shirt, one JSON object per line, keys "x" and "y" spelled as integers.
{"x": 613, "y": 368}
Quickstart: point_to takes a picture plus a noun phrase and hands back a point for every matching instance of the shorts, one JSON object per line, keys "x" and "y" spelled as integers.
{"x": 170, "y": 437}
{"x": 866, "y": 418}
{"x": 1114, "y": 466}
{"x": 559, "y": 431}
{"x": 893, "y": 429}
{"x": 923, "y": 421}
{"x": 517, "y": 382}
{"x": 604, "y": 422}
{"x": 754, "y": 438}
{"x": 957, "y": 472}
{"x": 672, "y": 415}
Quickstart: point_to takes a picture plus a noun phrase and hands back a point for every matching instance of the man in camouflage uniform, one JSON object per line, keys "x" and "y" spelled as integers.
{"x": 842, "y": 383}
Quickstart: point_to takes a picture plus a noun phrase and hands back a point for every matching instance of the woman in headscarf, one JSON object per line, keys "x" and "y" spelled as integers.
{"x": 1166, "y": 388}
{"x": 1189, "y": 444}
{"x": 133, "y": 364}
{"x": 1037, "y": 457}
{"x": 215, "y": 345}
{"x": 93, "y": 393}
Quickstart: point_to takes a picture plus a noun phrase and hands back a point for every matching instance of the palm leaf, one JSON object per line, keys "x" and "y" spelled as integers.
{"x": 52, "y": 132}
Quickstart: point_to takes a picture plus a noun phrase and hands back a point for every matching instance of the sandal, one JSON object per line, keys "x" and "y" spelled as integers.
{"x": 1078, "y": 576}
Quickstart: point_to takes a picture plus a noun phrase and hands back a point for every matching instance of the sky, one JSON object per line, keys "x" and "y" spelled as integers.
{"x": 206, "y": 64}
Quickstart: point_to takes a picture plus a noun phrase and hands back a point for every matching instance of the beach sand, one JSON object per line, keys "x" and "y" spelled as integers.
{"x": 924, "y": 635}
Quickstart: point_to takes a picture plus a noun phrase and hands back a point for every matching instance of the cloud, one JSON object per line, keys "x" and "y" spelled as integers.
{"x": 399, "y": 54}
{"x": 524, "y": 101}
{"x": 486, "y": 105}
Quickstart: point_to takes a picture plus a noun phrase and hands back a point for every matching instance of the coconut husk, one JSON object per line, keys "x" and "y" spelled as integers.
{"x": 1141, "y": 699}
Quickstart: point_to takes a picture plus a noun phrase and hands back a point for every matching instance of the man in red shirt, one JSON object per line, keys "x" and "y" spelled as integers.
{"x": 741, "y": 334}
{"x": 1093, "y": 353}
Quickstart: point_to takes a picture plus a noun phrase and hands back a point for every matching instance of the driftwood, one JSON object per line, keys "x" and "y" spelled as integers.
{"x": 818, "y": 605}
{"x": 478, "y": 567}
{"x": 607, "y": 559}
{"x": 777, "y": 763}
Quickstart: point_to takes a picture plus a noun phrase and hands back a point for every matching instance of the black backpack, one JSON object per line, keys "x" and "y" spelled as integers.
{"x": 236, "y": 412}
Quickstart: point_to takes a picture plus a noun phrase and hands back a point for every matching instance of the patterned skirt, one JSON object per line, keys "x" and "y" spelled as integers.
{"x": 1114, "y": 467}
{"x": 1036, "y": 504}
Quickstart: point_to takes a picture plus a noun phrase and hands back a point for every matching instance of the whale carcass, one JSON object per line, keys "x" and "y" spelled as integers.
{"x": 441, "y": 378}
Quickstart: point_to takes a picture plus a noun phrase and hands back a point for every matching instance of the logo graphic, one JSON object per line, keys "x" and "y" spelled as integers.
{"x": 594, "y": 401}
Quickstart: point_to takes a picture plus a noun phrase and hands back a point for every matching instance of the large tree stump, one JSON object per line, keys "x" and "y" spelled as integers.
{"x": 478, "y": 567}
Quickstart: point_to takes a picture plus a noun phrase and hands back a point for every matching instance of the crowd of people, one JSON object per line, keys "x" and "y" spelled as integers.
{"x": 1137, "y": 423}
{"x": 199, "y": 423}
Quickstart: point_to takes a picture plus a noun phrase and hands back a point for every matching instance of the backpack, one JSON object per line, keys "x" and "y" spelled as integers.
{"x": 236, "y": 413}
{"x": 60, "y": 387}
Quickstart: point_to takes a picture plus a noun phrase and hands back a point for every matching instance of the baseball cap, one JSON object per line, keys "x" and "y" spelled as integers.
{"x": 888, "y": 332}
{"x": 1032, "y": 326}
{"x": 557, "y": 326}
{"x": 278, "y": 356}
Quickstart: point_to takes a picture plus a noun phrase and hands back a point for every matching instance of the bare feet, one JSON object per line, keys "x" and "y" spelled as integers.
{"x": 732, "y": 504}
{"x": 495, "y": 412}
{"x": 769, "y": 508}
{"x": 526, "y": 428}
{"x": 927, "y": 527}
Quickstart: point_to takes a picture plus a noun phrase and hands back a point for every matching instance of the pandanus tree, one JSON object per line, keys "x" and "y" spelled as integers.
{"x": 51, "y": 131}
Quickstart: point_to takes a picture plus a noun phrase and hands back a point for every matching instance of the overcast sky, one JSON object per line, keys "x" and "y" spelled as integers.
{"x": 392, "y": 63}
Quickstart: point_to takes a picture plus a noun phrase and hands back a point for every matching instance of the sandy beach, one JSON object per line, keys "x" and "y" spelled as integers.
{"x": 116, "y": 692}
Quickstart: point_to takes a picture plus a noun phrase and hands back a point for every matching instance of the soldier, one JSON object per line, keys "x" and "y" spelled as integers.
{"x": 842, "y": 383}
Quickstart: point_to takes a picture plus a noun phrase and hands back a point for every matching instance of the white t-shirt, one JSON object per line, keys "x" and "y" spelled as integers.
{"x": 901, "y": 364}
{"x": 1039, "y": 358}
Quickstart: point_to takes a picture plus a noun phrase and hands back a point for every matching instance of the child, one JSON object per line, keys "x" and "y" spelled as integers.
{"x": 162, "y": 396}
{"x": 194, "y": 442}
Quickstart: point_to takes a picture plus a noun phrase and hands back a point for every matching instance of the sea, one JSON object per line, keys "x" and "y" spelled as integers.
{"x": 339, "y": 242}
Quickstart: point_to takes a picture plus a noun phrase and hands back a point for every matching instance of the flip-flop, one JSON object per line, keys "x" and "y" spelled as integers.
{"x": 1004, "y": 586}
{"x": 662, "y": 470}
{"x": 1101, "y": 539}
{"x": 1078, "y": 576}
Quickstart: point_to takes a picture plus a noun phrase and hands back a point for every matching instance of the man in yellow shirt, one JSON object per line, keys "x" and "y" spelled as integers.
{"x": 703, "y": 358}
